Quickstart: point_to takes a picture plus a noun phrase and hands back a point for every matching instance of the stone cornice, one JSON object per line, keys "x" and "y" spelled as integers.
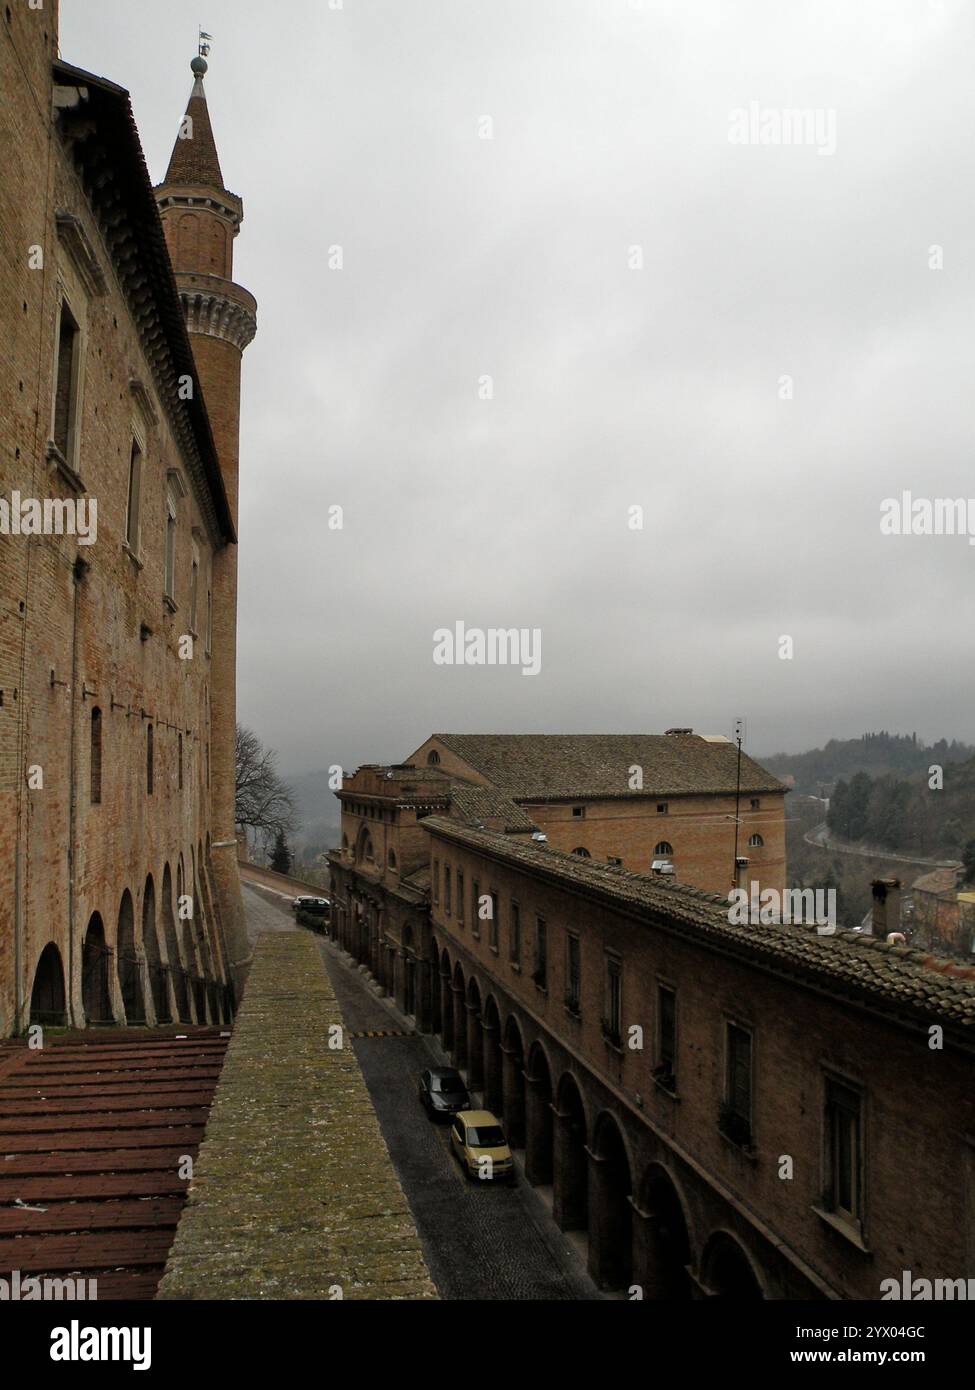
{"x": 217, "y": 308}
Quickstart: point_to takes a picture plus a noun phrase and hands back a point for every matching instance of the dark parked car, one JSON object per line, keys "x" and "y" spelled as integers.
{"x": 443, "y": 1092}
{"x": 315, "y": 907}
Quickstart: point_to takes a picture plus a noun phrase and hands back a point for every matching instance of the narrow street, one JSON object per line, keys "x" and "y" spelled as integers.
{"x": 480, "y": 1242}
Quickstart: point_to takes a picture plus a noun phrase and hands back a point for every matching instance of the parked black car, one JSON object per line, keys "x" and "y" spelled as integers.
{"x": 315, "y": 907}
{"x": 443, "y": 1092}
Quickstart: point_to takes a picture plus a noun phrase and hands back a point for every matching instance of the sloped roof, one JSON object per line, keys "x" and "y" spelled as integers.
{"x": 897, "y": 980}
{"x": 194, "y": 159}
{"x": 539, "y": 767}
{"x": 478, "y": 804}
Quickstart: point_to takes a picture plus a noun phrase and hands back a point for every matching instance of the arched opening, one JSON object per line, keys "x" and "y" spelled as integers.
{"x": 513, "y": 1084}
{"x": 661, "y": 1249}
{"x": 176, "y": 971}
{"x": 158, "y": 974}
{"x": 475, "y": 1041}
{"x": 436, "y": 1001}
{"x": 47, "y": 998}
{"x": 96, "y": 991}
{"x": 493, "y": 1056}
{"x": 727, "y": 1271}
{"x": 571, "y": 1165}
{"x": 538, "y": 1118}
{"x": 755, "y": 842}
{"x": 610, "y": 1210}
{"x": 409, "y": 972}
{"x": 446, "y": 1004}
{"x": 459, "y": 993}
{"x": 197, "y": 983}
{"x": 364, "y": 852}
{"x": 433, "y": 758}
{"x": 581, "y": 852}
{"x": 128, "y": 963}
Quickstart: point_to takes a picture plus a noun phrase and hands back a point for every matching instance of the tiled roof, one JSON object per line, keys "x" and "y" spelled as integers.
{"x": 479, "y": 804}
{"x": 94, "y": 1128}
{"x": 896, "y": 979}
{"x": 939, "y": 881}
{"x": 194, "y": 159}
{"x": 548, "y": 766}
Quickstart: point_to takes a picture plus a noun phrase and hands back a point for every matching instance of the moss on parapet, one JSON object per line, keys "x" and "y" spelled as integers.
{"x": 294, "y": 1194}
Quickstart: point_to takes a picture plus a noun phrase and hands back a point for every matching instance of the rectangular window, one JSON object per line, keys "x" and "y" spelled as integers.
{"x": 446, "y": 889}
{"x": 171, "y": 549}
{"x": 494, "y": 930}
{"x": 844, "y": 1147}
{"x": 514, "y": 935}
{"x": 460, "y": 896}
{"x": 67, "y": 378}
{"x": 579, "y": 812}
{"x": 96, "y": 757}
{"x": 150, "y": 760}
{"x": 194, "y": 591}
{"x": 135, "y": 489}
{"x": 736, "y": 1117}
{"x": 541, "y": 953}
{"x": 756, "y": 803}
{"x": 666, "y": 1069}
{"x": 475, "y": 908}
{"x": 436, "y": 880}
{"x": 613, "y": 1018}
{"x": 573, "y": 974}
{"x": 661, "y": 808}
{"x": 209, "y": 646}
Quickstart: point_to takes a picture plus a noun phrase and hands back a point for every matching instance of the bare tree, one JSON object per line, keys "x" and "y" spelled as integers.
{"x": 264, "y": 801}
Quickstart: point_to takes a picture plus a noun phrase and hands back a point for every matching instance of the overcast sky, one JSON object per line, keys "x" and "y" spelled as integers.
{"x": 509, "y": 257}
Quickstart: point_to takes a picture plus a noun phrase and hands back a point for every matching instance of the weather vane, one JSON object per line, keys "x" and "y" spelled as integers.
{"x": 205, "y": 41}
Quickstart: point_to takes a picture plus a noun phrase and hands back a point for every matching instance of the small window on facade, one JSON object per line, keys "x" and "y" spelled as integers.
{"x": 171, "y": 529}
{"x": 96, "y": 757}
{"x": 541, "y": 953}
{"x": 736, "y": 1113}
{"x": 150, "y": 768}
{"x": 475, "y": 908}
{"x": 582, "y": 852}
{"x": 460, "y": 896}
{"x": 67, "y": 385}
{"x": 392, "y": 859}
{"x": 613, "y": 1017}
{"x": 755, "y": 842}
{"x": 433, "y": 758}
{"x": 573, "y": 977}
{"x": 666, "y": 1069}
{"x": 756, "y": 803}
{"x": 579, "y": 812}
{"x": 494, "y": 935}
{"x": 209, "y": 642}
{"x": 661, "y": 808}
{"x": 446, "y": 889}
{"x": 843, "y": 1151}
{"x": 195, "y": 591}
{"x": 514, "y": 935}
{"x": 436, "y": 880}
{"x": 664, "y": 848}
{"x": 135, "y": 489}
{"x": 612, "y": 859}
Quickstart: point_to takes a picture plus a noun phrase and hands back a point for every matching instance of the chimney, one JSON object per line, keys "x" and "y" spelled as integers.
{"x": 741, "y": 873}
{"x": 886, "y": 906}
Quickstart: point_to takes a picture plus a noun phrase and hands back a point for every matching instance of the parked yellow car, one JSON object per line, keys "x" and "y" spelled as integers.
{"x": 477, "y": 1139}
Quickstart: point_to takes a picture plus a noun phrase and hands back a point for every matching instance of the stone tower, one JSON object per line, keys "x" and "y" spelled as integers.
{"x": 201, "y": 219}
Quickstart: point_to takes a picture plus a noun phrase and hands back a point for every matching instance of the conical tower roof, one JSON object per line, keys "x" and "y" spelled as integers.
{"x": 194, "y": 159}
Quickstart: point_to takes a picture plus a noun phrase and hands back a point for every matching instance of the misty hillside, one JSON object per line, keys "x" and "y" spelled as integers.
{"x": 877, "y": 754}
{"x": 318, "y": 814}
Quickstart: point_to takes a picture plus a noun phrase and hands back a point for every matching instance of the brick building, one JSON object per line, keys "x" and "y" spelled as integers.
{"x": 944, "y": 913}
{"x": 118, "y": 899}
{"x": 718, "y": 1110}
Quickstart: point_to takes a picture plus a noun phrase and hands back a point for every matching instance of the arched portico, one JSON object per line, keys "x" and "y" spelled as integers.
{"x": 570, "y": 1163}
{"x": 459, "y": 993}
{"x": 475, "y": 1041}
{"x": 96, "y": 989}
{"x": 726, "y": 1270}
{"x": 610, "y": 1209}
{"x": 513, "y": 1087}
{"x": 661, "y": 1245}
{"x": 538, "y": 1118}
{"x": 128, "y": 963}
{"x": 47, "y": 998}
{"x": 492, "y": 1054}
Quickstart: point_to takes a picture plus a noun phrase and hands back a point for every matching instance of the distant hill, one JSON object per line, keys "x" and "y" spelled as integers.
{"x": 318, "y": 814}
{"x": 817, "y": 771}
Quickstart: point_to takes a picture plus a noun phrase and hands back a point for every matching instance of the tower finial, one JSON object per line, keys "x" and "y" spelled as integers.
{"x": 199, "y": 64}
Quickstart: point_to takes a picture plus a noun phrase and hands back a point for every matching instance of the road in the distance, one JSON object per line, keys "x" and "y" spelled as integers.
{"x": 480, "y": 1242}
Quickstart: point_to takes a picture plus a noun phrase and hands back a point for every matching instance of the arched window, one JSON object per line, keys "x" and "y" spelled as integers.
{"x": 755, "y": 842}
{"x": 665, "y": 848}
{"x": 582, "y": 852}
{"x": 96, "y": 757}
{"x": 433, "y": 758}
{"x": 392, "y": 859}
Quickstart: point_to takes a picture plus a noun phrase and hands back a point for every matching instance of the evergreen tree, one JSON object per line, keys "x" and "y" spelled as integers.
{"x": 281, "y": 855}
